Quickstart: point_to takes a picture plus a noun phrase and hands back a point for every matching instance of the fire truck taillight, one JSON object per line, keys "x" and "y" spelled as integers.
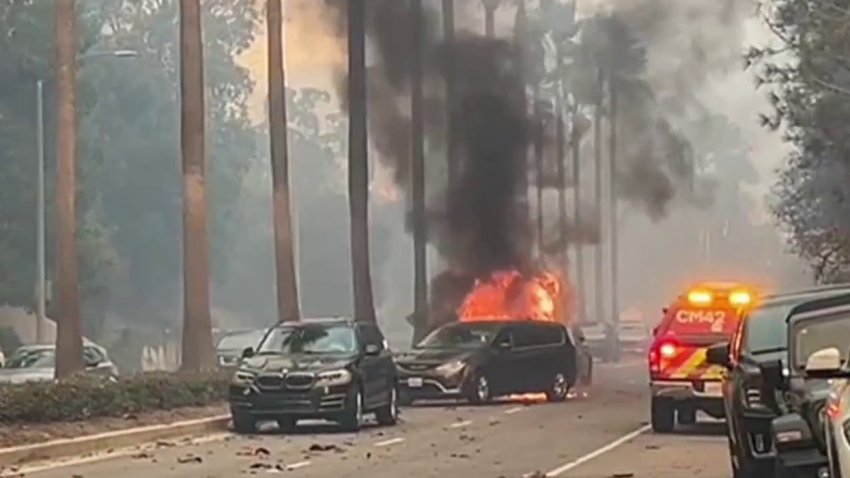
{"x": 661, "y": 350}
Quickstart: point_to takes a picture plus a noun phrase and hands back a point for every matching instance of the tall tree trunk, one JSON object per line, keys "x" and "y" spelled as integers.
{"x": 538, "y": 166}
{"x": 520, "y": 38}
{"x": 69, "y": 343}
{"x": 597, "y": 193}
{"x": 358, "y": 162}
{"x": 612, "y": 218}
{"x": 561, "y": 157}
{"x": 581, "y": 289}
{"x": 197, "y": 324}
{"x": 490, "y": 7}
{"x": 287, "y": 284}
{"x": 452, "y": 166}
{"x": 420, "y": 273}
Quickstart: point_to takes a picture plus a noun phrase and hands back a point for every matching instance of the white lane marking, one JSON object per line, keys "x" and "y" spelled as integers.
{"x": 462, "y": 424}
{"x": 389, "y": 442}
{"x": 511, "y": 411}
{"x": 103, "y": 456}
{"x": 300, "y": 464}
{"x": 605, "y": 449}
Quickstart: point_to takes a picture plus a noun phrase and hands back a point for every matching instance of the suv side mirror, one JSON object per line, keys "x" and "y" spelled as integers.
{"x": 824, "y": 363}
{"x": 772, "y": 374}
{"x": 719, "y": 354}
{"x": 248, "y": 352}
{"x": 372, "y": 349}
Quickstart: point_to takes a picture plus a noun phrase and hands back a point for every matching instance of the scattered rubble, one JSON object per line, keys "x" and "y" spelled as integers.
{"x": 190, "y": 458}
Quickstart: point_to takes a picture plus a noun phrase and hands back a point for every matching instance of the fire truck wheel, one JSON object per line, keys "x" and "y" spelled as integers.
{"x": 663, "y": 415}
{"x": 687, "y": 415}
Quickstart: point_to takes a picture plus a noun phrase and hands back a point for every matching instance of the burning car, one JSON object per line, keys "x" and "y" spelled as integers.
{"x": 483, "y": 359}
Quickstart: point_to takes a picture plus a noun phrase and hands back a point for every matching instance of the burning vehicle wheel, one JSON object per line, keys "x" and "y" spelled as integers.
{"x": 388, "y": 414}
{"x": 479, "y": 390}
{"x": 559, "y": 389}
{"x": 243, "y": 422}
{"x": 287, "y": 424}
{"x": 663, "y": 415}
{"x": 352, "y": 418}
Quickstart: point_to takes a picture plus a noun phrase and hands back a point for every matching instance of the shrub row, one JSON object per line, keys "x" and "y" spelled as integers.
{"x": 86, "y": 397}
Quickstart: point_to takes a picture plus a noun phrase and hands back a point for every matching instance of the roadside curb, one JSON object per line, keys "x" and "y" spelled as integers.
{"x": 112, "y": 440}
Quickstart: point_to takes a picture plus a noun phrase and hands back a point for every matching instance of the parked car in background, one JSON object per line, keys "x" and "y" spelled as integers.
{"x": 231, "y": 345}
{"x": 37, "y": 363}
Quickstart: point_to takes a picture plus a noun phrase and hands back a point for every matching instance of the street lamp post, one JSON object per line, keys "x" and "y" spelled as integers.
{"x": 41, "y": 274}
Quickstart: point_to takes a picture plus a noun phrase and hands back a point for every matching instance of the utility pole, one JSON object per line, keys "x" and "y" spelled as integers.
{"x": 417, "y": 176}
{"x": 41, "y": 279}
{"x": 612, "y": 218}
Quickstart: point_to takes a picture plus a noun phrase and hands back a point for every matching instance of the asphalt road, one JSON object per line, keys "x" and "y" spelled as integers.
{"x": 602, "y": 434}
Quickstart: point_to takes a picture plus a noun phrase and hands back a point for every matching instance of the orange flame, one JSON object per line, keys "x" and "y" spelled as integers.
{"x": 507, "y": 295}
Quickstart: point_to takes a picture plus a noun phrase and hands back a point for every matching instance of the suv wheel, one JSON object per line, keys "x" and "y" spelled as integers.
{"x": 663, "y": 415}
{"x": 287, "y": 424}
{"x": 388, "y": 414}
{"x": 558, "y": 389}
{"x": 243, "y": 422}
{"x": 352, "y": 418}
{"x": 479, "y": 390}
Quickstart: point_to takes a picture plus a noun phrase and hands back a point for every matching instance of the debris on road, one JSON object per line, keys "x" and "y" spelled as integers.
{"x": 321, "y": 448}
{"x": 272, "y": 468}
{"x": 190, "y": 458}
{"x": 623, "y": 475}
{"x": 141, "y": 455}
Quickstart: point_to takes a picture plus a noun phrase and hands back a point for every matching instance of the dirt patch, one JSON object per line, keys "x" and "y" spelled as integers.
{"x": 13, "y": 435}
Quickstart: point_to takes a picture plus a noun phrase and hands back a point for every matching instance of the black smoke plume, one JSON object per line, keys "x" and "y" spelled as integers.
{"x": 479, "y": 225}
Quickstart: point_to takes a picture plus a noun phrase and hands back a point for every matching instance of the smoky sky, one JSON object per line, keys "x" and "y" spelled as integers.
{"x": 481, "y": 224}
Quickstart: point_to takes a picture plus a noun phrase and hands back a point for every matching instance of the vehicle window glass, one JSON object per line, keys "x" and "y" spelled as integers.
{"x": 526, "y": 335}
{"x": 93, "y": 355}
{"x": 43, "y": 358}
{"x": 766, "y": 329}
{"x": 552, "y": 335}
{"x": 814, "y": 335}
{"x": 460, "y": 335}
{"x": 698, "y": 321}
{"x": 241, "y": 341}
{"x": 310, "y": 339}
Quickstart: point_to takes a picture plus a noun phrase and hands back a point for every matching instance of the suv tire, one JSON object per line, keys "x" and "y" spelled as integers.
{"x": 663, "y": 415}
{"x": 479, "y": 391}
{"x": 243, "y": 422}
{"x": 287, "y": 424}
{"x": 558, "y": 389}
{"x": 352, "y": 416}
{"x": 687, "y": 415}
{"x": 388, "y": 414}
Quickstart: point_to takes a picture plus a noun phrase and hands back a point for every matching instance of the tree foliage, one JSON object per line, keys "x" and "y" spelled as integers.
{"x": 810, "y": 92}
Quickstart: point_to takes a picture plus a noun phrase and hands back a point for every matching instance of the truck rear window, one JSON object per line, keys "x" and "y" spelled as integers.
{"x": 701, "y": 321}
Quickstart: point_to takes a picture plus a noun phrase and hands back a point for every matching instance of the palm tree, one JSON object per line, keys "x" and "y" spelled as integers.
{"x": 69, "y": 343}
{"x": 287, "y": 285}
{"x": 197, "y": 325}
{"x": 417, "y": 176}
{"x": 490, "y": 7}
{"x": 358, "y": 162}
{"x": 449, "y": 38}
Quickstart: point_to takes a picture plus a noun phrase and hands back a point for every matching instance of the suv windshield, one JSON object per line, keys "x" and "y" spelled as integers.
{"x": 310, "y": 339}
{"x": 812, "y": 336}
{"x": 242, "y": 340}
{"x": 459, "y": 335}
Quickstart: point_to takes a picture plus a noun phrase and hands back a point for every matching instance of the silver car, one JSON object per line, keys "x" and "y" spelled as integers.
{"x": 37, "y": 363}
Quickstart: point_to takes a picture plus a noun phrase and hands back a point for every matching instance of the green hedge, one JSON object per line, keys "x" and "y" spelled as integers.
{"x": 85, "y": 397}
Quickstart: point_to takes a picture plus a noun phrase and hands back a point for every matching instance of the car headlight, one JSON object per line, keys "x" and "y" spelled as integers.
{"x": 451, "y": 368}
{"x": 333, "y": 378}
{"x": 244, "y": 376}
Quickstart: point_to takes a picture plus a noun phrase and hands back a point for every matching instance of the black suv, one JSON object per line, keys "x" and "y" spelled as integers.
{"x": 799, "y": 430}
{"x": 334, "y": 369}
{"x": 761, "y": 338}
{"x": 481, "y": 360}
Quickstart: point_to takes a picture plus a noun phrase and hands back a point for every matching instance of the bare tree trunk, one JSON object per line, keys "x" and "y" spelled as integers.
{"x": 598, "y": 259}
{"x": 561, "y": 157}
{"x": 287, "y": 284}
{"x": 69, "y": 342}
{"x": 612, "y": 218}
{"x": 197, "y": 324}
{"x": 538, "y": 166}
{"x": 420, "y": 273}
{"x": 581, "y": 289}
{"x": 358, "y": 162}
{"x": 452, "y": 165}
